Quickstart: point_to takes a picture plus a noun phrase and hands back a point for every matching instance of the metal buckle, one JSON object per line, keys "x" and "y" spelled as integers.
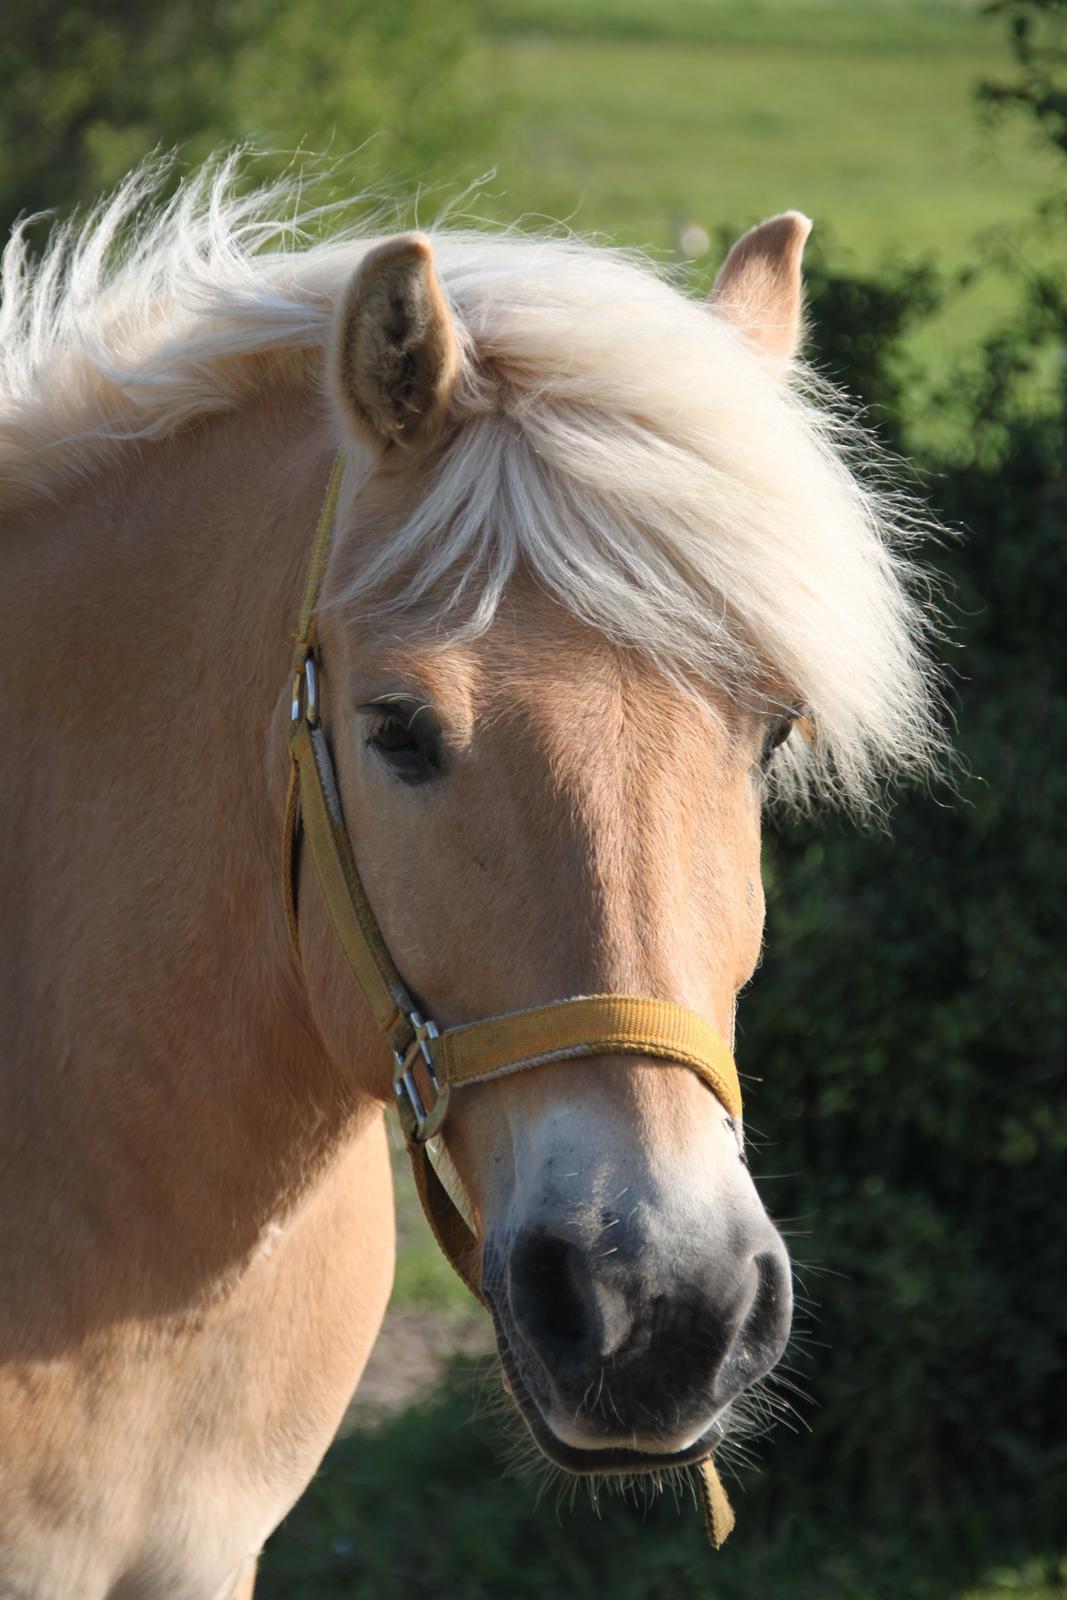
{"x": 305, "y": 692}
{"x": 417, "y": 1122}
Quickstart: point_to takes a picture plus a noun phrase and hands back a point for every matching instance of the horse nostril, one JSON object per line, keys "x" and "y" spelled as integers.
{"x": 545, "y": 1292}
{"x": 764, "y": 1331}
{"x": 673, "y": 1347}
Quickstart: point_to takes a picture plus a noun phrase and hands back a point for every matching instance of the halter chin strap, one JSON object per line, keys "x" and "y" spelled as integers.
{"x": 429, "y": 1062}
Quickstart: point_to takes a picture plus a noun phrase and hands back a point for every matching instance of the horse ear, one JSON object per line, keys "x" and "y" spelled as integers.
{"x": 394, "y": 356}
{"x": 759, "y": 285}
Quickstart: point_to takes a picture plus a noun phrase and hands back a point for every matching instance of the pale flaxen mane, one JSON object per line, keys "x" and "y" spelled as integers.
{"x": 612, "y": 435}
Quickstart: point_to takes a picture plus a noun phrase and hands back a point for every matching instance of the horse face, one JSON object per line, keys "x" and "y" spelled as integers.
{"x": 536, "y": 815}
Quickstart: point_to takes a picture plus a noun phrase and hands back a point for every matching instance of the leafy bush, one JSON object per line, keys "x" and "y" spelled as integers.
{"x": 103, "y": 83}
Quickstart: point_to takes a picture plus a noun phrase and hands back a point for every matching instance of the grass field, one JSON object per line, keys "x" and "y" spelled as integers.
{"x": 635, "y": 118}
{"x": 630, "y": 115}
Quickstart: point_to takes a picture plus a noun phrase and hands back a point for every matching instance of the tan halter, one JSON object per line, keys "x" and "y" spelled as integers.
{"x": 427, "y": 1062}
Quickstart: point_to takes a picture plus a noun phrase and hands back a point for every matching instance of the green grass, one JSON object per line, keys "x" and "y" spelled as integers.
{"x": 899, "y": 23}
{"x": 881, "y": 148}
{"x": 632, "y": 118}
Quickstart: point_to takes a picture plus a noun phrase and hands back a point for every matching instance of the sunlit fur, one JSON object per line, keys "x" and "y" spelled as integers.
{"x": 624, "y": 444}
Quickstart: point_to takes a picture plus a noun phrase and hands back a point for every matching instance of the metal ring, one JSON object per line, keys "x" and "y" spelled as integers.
{"x": 305, "y": 701}
{"x": 418, "y": 1122}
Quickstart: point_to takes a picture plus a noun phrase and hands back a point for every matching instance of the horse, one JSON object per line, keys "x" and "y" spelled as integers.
{"x": 605, "y": 576}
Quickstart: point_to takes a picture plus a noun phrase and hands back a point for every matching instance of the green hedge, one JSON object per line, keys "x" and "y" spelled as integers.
{"x": 910, "y": 1020}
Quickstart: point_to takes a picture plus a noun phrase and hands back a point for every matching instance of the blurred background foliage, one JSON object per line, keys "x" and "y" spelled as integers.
{"x": 908, "y": 1025}
{"x": 92, "y": 86}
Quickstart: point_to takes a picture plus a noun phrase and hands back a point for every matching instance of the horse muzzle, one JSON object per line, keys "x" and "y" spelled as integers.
{"x": 624, "y": 1356}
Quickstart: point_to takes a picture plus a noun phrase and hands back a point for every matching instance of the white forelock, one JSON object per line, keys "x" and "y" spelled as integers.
{"x": 612, "y": 435}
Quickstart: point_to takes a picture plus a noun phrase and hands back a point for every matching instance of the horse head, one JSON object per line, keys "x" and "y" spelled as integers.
{"x": 552, "y": 763}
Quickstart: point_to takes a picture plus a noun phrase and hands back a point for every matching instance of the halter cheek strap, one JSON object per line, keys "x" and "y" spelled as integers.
{"x": 428, "y": 1063}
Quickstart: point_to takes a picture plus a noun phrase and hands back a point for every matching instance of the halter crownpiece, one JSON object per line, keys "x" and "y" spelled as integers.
{"x": 428, "y": 1061}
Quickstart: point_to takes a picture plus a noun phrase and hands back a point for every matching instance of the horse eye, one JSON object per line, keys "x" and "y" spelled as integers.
{"x": 407, "y": 741}
{"x": 392, "y": 737}
{"x": 778, "y": 732}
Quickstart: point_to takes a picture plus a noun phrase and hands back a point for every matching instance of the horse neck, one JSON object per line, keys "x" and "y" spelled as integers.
{"x": 167, "y": 1052}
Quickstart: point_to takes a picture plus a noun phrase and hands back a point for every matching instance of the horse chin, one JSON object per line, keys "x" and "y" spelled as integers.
{"x": 606, "y": 1461}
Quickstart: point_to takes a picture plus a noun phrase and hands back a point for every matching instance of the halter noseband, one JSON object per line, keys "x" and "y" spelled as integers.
{"x": 587, "y": 1025}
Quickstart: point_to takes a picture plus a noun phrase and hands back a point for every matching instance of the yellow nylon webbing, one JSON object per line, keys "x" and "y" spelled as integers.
{"x": 353, "y": 920}
{"x": 303, "y": 646}
{"x": 458, "y": 1244}
{"x": 306, "y": 628}
{"x": 718, "y": 1512}
{"x": 590, "y": 1025}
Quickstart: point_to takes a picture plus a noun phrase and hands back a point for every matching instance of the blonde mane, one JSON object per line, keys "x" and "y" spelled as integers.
{"x": 624, "y": 445}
